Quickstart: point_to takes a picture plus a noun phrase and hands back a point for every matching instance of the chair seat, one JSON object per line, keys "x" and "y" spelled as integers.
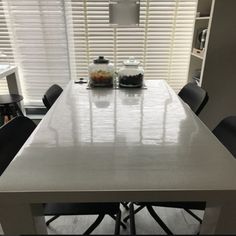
{"x": 194, "y": 96}
{"x": 186, "y": 205}
{"x": 51, "y": 95}
{"x": 7, "y": 99}
{"x": 81, "y": 208}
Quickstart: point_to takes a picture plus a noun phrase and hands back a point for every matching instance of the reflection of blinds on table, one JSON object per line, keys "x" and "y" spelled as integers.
{"x": 162, "y": 42}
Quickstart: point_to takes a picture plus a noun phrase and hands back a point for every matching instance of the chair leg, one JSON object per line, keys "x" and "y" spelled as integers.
{"x": 1, "y": 118}
{"x": 125, "y": 205}
{"x": 121, "y": 223}
{"x": 132, "y": 219}
{"x": 12, "y": 110}
{"x": 18, "y": 109}
{"x": 136, "y": 211}
{"x": 52, "y": 219}
{"x": 193, "y": 215}
{"x": 118, "y": 223}
{"x": 159, "y": 220}
{"x": 94, "y": 225}
{"x": 8, "y": 114}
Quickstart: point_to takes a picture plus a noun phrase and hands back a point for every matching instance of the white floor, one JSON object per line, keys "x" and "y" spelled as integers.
{"x": 179, "y": 221}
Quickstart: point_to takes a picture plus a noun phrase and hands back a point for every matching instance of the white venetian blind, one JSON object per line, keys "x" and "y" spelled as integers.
{"x": 6, "y": 52}
{"x": 52, "y": 40}
{"x": 39, "y": 42}
{"x": 162, "y": 42}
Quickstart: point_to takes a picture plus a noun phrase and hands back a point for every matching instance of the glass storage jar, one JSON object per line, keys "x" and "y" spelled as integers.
{"x": 131, "y": 74}
{"x": 101, "y": 73}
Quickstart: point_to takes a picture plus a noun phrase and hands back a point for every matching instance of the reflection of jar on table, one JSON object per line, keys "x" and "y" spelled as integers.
{"x": 131, "y": 74}
{"x": 101, "y": 73}
{"x": 102, "y": 97}
{"x": 131, "y": 97}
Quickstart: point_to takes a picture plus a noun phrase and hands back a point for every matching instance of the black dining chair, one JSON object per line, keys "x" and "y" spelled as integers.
{"x": 194, "y": 96}
{"x": 225, "y": 132}
{"x": 12, "y": 137}
{"x": 51, "y": 95}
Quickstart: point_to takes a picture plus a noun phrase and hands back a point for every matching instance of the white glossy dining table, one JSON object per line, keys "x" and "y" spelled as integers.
{"x": 108, "y": 145}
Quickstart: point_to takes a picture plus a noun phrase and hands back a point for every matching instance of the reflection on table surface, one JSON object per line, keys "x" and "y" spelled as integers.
{"x": 115, "y": 116}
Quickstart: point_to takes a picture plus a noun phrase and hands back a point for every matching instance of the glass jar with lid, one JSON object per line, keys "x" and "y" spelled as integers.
{"x": 131, "y": 74}
{"x": 101, "y": 72}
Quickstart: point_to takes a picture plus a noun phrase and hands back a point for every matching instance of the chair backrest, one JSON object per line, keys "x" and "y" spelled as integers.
{"x": 12, "y": 137}
{"x": 225, "y": 131}
{"x": 51, "y": 95}
{"x": 194, "y": 96}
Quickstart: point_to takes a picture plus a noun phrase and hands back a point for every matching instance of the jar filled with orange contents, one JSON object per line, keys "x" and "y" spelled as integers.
{"x": 101, "y": 73}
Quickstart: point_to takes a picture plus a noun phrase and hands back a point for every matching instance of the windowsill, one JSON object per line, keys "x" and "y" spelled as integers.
{"x": 35, "y": 113}
{"x": 35, "y": 117}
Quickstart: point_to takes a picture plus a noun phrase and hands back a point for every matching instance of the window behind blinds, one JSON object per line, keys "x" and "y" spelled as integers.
{"x": 6, "y": 52}
{"x": 39, "y": 42}
{"x": 162, "y": 42}
{"x": 53, "y": 39}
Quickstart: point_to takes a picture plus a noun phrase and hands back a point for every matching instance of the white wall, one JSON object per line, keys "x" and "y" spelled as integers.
{"x": 220, "y": 69}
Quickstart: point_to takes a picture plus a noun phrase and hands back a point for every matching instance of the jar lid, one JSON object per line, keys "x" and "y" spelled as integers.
{"x": 131, "y": 62}
{"x": 101, "y": 60}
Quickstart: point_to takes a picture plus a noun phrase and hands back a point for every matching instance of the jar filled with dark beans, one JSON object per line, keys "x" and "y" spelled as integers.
{"x": 131, "y": 75}
{"x": 131, "y": 80}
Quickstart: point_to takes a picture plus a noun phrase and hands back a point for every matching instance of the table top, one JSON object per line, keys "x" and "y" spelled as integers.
{"x": 10, "y": 98}
{"x": 120, "y": 141}
{"x": 6, "y": 70}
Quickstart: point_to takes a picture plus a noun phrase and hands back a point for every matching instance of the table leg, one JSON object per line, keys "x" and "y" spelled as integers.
{"x": 22, "y": 219}
{"x": 14, "y": 85}
{"x": 219, "y": 218}
{"x": 17, "y": 108}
